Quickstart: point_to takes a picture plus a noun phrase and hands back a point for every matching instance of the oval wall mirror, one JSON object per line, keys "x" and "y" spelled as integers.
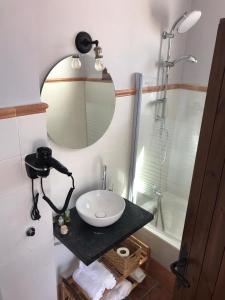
{"x": 81, "y": 102}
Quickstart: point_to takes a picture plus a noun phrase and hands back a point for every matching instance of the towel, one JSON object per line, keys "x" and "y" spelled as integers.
{"x": 138, "y": 275}
{"x": 120, "y": 291}
{"x": 94, "y": 279}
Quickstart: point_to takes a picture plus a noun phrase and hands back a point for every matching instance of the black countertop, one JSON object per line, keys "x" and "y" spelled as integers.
{"x": 88, "y": 243}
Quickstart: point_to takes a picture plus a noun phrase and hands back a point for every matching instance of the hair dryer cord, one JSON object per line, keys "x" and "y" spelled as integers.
{"x": 65, "y": 206}
{"x": 35, "y": 213}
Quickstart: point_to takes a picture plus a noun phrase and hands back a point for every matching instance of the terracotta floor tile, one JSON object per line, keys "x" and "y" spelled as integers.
{"x": 162, "y": 275}
{"x": 142, "y": 289}
{"x": 158, "y": 293}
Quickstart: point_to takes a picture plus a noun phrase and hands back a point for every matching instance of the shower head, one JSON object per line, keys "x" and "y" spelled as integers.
{"x": 188, "y": 58}
{"x": 172, "y": 63}
{"x": 188, "y": 20}
{"x": 183, "y": 23}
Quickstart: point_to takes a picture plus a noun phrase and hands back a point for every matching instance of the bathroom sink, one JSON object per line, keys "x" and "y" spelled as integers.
{"x": 100, "y": 208}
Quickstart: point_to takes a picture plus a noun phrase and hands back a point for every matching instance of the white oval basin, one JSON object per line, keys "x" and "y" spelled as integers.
{"x": 100, "y": 208}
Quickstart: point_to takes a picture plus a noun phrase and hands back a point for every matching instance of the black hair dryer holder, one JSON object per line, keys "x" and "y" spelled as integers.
{"x": 38, "y": 165}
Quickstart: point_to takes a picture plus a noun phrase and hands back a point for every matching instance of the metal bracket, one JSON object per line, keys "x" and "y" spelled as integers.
{"x": 178, "y": 268}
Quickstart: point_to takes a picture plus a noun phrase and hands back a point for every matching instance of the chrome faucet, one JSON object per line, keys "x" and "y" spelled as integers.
{"x": 104, "y": 175}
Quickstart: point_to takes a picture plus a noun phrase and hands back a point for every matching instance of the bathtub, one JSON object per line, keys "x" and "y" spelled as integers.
{"x": 165, "y": 245}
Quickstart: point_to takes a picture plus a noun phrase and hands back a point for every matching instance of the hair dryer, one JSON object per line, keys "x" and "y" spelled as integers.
{"x": 39, "y": 164}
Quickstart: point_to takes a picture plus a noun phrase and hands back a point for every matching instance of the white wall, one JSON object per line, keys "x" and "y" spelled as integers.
{"x": 201, "y": 40}
{"x": 34, "y": 35}
{"x": 27, "y": 269}
{"x": 128, "y": 31}
{"x": 19, "y": 48}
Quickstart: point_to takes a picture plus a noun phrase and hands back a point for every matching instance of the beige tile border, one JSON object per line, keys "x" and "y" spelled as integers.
{"x": 11, "y": 112}
{"x": 158, "y": 88}
{"x": 76, "y": 79}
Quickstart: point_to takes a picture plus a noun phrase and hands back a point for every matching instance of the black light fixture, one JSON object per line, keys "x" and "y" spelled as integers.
{"x": 84, "y": 43}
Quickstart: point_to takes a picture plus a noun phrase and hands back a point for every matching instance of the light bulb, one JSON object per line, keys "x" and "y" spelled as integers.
{"x": 99, "y": 66}
{"x": 76, "y": 63}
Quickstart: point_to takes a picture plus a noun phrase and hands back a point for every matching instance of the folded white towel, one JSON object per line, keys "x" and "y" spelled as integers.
{"x": 94, "y": 279}
{"x": 138, "y": 275}
{"x": 120, "y": 291}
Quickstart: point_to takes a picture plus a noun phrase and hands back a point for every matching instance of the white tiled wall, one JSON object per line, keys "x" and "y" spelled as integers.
{"x": 185, "y": 110}
{"x": 9, "y": 139}
{"x": 32, "y": 132}
{"x": 26, "y": 263}
{"x": 29, "y": 132}
{"x": 152, "y": 144}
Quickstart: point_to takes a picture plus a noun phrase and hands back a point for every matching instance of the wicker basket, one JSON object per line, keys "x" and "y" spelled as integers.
{"x": 140, "y": 254}
{"x": 125, "y": 265}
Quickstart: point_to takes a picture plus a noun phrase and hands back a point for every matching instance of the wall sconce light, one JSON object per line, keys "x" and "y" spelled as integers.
{"x": 76, "y": 63}
{"x": 99, "y": 66}
{"x": 84, "y": 42}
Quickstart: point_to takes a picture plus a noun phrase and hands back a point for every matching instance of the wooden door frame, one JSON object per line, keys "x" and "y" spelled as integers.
{"x": 207, "y": 173}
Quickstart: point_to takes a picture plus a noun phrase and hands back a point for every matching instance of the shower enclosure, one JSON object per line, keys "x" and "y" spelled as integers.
{"x": 163, "y": 157}
{"x": 165, "y": 137}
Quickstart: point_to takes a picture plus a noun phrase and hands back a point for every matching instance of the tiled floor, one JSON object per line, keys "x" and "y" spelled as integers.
{"x": 158, "y": 293}
{"x": 143, "y": 289}
{"x": 151, "y": 289}
{"x": 158, "y": 285}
